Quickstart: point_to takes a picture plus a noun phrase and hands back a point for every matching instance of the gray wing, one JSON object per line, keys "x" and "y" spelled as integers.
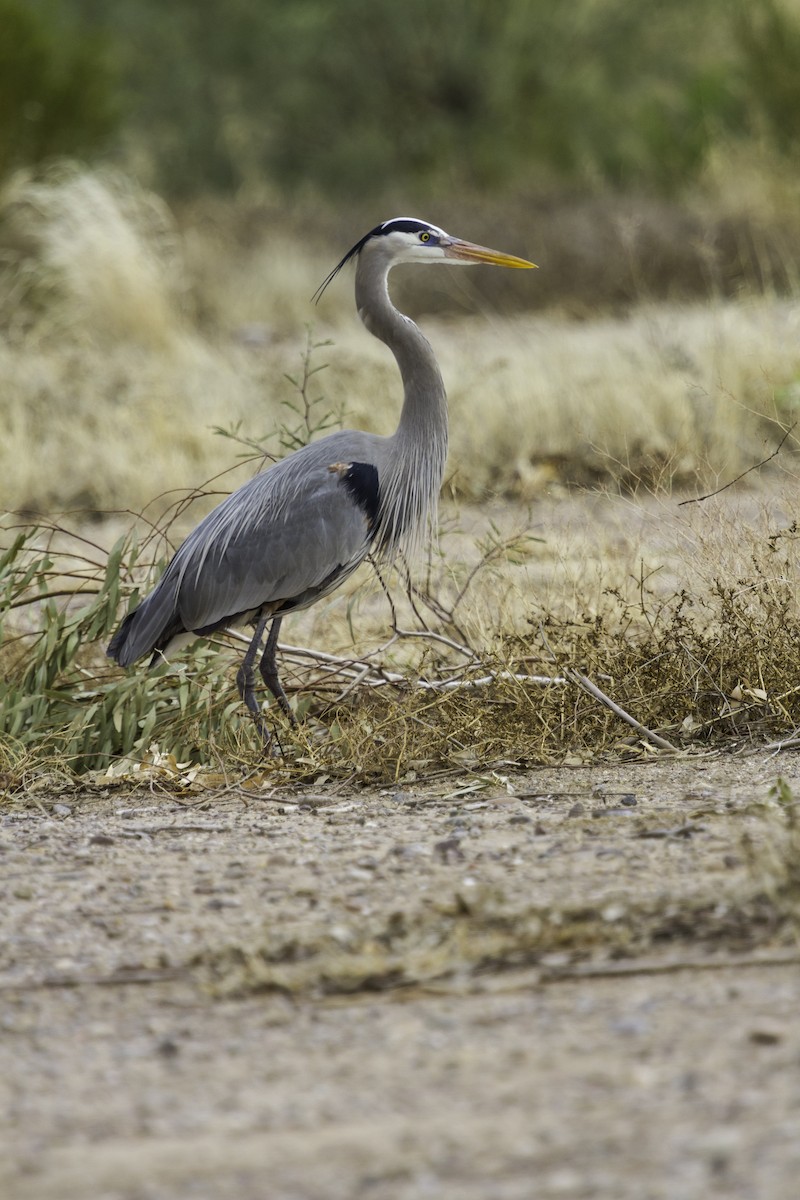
{"x": 286, "y": 537}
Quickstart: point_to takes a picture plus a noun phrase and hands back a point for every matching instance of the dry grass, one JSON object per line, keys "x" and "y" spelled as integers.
{"x": 128, "y": 343}
{"x": 685, "y": 617}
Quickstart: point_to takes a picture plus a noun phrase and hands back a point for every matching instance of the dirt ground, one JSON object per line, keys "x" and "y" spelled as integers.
{"x": 568, "y": 983}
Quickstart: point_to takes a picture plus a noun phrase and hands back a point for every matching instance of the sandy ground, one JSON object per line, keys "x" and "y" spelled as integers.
{"x": 574, "y": 983}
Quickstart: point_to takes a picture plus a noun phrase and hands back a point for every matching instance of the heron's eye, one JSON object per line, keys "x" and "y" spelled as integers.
{"x": 424, "y": 236}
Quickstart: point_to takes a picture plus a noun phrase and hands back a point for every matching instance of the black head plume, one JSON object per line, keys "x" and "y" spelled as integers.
{"x": 395, "y": 225}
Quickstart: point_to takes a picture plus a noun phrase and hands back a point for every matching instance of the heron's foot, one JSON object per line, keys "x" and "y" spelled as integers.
{"x": 269, "y": 674}
{"x": 246, "y": 682}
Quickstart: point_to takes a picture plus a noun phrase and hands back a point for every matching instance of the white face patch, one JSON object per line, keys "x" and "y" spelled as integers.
{"x": 409, "y": 240}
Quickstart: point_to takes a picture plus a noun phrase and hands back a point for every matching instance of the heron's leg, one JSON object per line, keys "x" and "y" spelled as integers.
{"x": 269, "y": 670}
{"x": 246, "y": 680}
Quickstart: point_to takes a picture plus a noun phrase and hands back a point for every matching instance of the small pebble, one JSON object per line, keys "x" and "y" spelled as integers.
{"x": 631, "y": 1026}
{"x": 359, "y": 874}
{"x": 449, "y": 850}
{"x": 577, "y": 810}
{"x": 62, "y": 810}
{"x": 765, "y": 1036}
{"x": 410, "y": 850}
{"x": 168, "y": 1048}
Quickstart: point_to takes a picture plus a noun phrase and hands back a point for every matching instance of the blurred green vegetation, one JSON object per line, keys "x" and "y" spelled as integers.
{"x": 349, "y": 96}
{"x": 58, "y": 89}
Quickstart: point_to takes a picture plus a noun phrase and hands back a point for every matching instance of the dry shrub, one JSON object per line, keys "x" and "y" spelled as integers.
{"x": 686, "y": 618}
{"x": 715, "y": 673}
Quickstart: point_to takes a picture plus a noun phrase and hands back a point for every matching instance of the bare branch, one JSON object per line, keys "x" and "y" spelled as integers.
{"x": 584, "y": 682}
{"x": 357, "y": 672}
{"x": 755, "y": 467}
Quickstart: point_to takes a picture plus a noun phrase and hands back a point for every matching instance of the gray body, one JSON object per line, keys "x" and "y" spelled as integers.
{"x": 283, "y": 540}
{"x": 293, "y": 533}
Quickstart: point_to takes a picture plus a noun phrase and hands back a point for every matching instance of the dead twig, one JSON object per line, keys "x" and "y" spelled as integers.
{"x": 679, "y": 831}
{"x": 755, "y": 467}
{"x": 789, "y": 742}
{"x": 429, "y": 635}
{"x": 616, "y": 970}
{"x": 357, "y": 672}
{"x": 584, "y": 682}
{"x": 120, "y": 978}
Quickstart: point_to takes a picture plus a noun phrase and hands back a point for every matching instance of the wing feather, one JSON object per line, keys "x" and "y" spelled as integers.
{"x": 285, "y": 538}
{"x": 292, "y": 531}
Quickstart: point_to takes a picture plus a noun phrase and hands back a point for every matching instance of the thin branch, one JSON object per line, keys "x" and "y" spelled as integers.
{"x": 359, "y": 671}
{"x": 28, "y": 600}
{"x": 447, "y": 685}
{"x": 617, "y": 970}
{"x": 755, "y": 467}
{"x": 121, "y": 978}
{"x": 787, "y": 743}
{"x": 355, "y": 682}
{"x": 436, "y": 637}
{"x": 584, "y": 682}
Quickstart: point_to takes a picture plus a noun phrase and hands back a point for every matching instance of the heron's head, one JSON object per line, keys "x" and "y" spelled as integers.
{"x": 408, "y": 240}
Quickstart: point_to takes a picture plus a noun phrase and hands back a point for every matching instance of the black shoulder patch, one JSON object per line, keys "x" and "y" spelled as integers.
{"x": 361, "y": 481}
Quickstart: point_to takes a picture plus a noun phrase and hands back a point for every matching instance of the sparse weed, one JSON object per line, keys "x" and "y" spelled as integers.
{"x": 59, "y": 699}
{"x": 304, "y": 417}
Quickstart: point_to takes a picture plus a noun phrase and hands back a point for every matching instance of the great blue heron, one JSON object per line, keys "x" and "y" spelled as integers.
{"x": 293, "y": 533}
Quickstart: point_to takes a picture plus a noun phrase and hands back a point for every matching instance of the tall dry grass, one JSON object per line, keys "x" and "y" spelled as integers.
{"x": 128, "y": 341}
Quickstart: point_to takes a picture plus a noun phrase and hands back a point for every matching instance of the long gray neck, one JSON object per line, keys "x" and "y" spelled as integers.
{"x": 412, "y": 474}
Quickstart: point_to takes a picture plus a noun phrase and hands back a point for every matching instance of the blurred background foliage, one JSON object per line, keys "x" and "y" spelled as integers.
{"x": 59, "y": 86}
{"x": 348, "y": 97}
